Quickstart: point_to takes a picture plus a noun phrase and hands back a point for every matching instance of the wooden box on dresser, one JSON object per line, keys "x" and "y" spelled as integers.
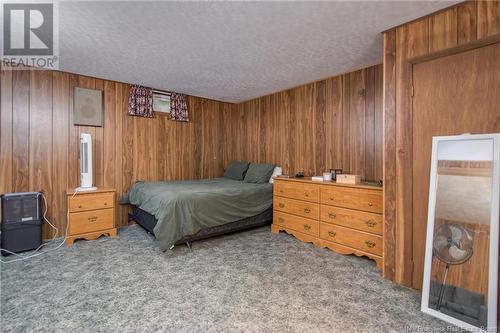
{"x": 344, "y": 218}
{"x": 90, "y": 214}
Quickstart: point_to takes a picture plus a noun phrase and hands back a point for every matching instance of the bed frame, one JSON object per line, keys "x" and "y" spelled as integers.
{"x": 148, "y": 222}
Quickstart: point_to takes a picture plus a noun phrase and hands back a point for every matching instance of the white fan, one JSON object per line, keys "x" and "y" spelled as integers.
{"x": 86, "y": 183}
{"x": 452, "y": 245}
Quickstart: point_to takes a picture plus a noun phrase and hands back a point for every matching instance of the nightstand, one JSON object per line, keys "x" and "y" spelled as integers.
{"x": 90, "y": 214}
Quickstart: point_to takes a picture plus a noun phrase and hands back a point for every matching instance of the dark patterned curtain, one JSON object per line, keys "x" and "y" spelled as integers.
{"x": 140, "y": 101}
{"x": 178, "y": 107}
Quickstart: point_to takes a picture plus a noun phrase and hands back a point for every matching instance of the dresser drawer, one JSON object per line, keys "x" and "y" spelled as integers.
{"x": 82, "y": 202}
{"x": 349, "y": 237}
{"x": 296, "y": 190}
{"x": 347, "y": 197}
{"x": 297, "y": 207}
{"x": 296, "y": 223}
{"x": 355, "y": 219}
{"x": 83, "y": 222}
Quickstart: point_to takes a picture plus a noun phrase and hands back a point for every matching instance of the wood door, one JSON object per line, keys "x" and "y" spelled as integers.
{"x": 454, "y": 94}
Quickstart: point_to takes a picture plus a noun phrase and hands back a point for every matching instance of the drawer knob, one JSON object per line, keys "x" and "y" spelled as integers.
{"x": 332, "y": 233}
{"x": 306, "y": 194}
{"x": 371, "y": 223}
{"x": 370, "y": 204}
{"x": 307, "y": 226}
{"x": 92, "y": 218}
{"x": 281, "y": 191}
{"x": 281, "y": 219}
{"x": 105, "y": 204}
{"x": 79, "y": 206}
{"x": 370, "y": 244}
{"x": 281, "y": 205}
{"x": 331, "y": 199}
{"x": 332, "y": 215}
{"x": 307, "y": 210}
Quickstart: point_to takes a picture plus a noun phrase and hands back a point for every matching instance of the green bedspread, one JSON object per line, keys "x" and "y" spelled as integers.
{"x": 183, "y": 208}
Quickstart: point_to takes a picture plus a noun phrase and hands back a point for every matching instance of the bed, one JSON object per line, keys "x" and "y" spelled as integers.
{"x": 183, "y": 211}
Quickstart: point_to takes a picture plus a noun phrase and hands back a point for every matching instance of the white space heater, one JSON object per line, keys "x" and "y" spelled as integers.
{"x": 86, "y": 183}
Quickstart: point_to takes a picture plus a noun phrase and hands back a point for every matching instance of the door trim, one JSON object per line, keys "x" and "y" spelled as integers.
{"x": 454, "y": 50}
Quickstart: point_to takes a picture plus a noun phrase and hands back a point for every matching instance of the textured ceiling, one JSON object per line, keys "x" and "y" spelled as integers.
{"x": 229, "y": 51}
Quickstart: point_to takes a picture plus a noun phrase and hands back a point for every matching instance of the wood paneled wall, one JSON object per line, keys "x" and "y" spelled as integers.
{"x": 465, "y": 23}
{"x": 39, "y": 144}
{"x": 333, "y": 123}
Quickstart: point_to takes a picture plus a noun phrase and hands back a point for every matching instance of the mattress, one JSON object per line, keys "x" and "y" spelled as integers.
{"x": 148, "y": 222}
{"x": 184, "y": 208}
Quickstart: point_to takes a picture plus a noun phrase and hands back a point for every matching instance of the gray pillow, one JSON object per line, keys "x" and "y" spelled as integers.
{"x": 236, "y": 170}
{"x": 259, "y": 173}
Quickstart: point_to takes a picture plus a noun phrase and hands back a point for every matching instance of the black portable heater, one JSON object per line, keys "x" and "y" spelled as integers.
{"x": 22, "y": 221}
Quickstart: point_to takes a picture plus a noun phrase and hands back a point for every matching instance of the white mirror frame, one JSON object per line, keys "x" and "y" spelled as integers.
{"x": 494, "y": 225}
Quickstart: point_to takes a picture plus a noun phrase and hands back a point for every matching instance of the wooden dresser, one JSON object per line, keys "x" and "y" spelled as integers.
{"x": 90, "y": 214}
{"x": 344, "y": 218}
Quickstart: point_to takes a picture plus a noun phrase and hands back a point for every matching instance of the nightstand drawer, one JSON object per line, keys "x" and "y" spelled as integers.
{"x": 366, "y": 200}
{"x": 355, "y": 219}
{"x": 83, "y": 222}
{"x": 295, "y": 190}
{"x": 296, "y": 223}
{"x": 90, "y": 201}
{"x": 297, "y": 207}
{"x": 355, "y": 239}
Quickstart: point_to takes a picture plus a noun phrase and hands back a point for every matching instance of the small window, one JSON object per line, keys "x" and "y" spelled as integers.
{"x": 161, "y": 102}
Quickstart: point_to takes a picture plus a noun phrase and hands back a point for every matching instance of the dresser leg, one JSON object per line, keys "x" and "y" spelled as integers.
{"x": 379, "y": 262}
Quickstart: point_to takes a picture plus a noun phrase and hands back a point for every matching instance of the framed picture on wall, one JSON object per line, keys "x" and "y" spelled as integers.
{"x": 87, "y": 108}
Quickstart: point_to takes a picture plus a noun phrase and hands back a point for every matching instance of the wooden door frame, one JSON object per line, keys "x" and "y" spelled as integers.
{"x": 398, "y": 198}
{"x": 454, "y": 50}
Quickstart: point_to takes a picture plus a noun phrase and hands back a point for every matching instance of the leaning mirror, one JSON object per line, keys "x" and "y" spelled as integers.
{"x": 461, "y": 258}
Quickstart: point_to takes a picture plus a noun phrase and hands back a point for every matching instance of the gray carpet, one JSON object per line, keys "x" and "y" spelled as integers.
{"x": 252, "y": 281}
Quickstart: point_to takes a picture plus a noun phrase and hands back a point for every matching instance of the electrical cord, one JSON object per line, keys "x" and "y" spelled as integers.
{"x": 76, "y": 191}
{"x": 35, "y": 252}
